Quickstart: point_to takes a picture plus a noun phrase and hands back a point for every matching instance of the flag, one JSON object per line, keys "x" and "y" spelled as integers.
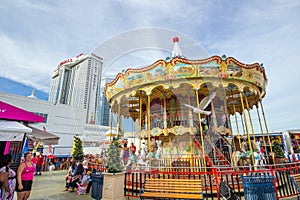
{"x": 25, "y": 147}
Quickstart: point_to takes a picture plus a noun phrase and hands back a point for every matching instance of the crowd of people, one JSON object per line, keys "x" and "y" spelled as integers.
{"x": 78, "y": 178}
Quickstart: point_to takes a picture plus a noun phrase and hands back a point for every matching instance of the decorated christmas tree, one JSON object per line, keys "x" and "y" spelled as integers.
{"x": 77, "y": 151}
{"x": 278, "y": 149}
{"x": 114, "y": 164}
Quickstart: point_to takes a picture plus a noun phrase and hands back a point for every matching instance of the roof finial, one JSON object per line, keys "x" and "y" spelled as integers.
{"x": 32, "y": 95}
{"x": 176, "y": 50}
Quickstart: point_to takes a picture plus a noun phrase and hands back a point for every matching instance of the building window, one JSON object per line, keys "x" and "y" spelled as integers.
{"x": 42, "y": 115}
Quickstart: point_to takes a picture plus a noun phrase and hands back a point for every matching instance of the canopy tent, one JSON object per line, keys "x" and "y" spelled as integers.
{"x": 92, "y": 150}
{"x": 43, "y": 136}
{"x": 10, "y": 112}
{"x": 12, "y": 130}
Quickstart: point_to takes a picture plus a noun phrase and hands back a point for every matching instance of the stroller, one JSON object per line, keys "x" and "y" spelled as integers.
{"x": 226, "y": 192}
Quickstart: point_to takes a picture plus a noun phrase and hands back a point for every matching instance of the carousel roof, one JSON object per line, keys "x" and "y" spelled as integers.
{"x": 215, "y": 68}
{"x": 177, "y": 75}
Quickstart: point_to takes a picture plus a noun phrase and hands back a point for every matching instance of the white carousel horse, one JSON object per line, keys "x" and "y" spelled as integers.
{"x": 203, "y": 104}
{"x": 158, "y": 154}
{"x": 259, "y": 160}
{"x": 135, "y": 161}
{"x": 132, "y": 160}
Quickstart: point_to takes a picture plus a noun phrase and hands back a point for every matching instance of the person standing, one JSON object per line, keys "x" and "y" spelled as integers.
{"x": 24, "y": 177}
{"x": 125, "y": 154}
{"x": 8, "y": 192}
{"x": 34, "y": 160}
{"x": 39, "y": 164}
{"x": 133, "y": 148}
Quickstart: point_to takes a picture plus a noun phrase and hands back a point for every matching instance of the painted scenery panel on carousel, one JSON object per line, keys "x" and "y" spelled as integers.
{"x": 156, "y": 74}
{"x": 115, "y": 88}
{"x": 234, "y": 71}
{"x": 134, "y": 79}
{"x": 254, "y": 76}
{"x": 182, "y": 70}
{"x": 210, "y": 69}
{"x": 119, "y": 86}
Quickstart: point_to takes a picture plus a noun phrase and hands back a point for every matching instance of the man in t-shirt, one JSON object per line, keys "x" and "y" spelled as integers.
{"x": 39, "y": 163}
{"x": 133, "y": 148}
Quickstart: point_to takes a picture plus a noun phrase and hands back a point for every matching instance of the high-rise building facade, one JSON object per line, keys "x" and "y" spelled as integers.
{"x": 77, "y": 82}
{"x": 104, "y": 113}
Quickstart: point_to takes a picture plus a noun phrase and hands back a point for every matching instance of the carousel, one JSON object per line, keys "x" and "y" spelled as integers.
{"x": 199, "y": 112}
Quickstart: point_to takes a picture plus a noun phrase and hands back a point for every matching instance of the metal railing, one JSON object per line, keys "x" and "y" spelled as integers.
{"x": 210, "y": 179}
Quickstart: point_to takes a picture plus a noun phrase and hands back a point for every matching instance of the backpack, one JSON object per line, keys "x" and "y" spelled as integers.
{"x": 3, "y": 177}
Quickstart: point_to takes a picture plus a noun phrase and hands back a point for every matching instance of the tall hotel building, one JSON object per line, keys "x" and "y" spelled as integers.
{"x": 104, "y": 114}
{"x": 77, "y": 82}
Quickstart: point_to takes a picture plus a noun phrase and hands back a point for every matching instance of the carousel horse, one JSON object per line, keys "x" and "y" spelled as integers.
{"x": 240, "y": 158}
{"x": 132, "y": 160}
{"x": 142, "y": 158}
{"x": 137, "y": 161}
{"x": 158, "y": 154}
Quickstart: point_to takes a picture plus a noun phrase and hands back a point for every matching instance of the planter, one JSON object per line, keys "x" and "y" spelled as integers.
{"x": 113, "y": 186}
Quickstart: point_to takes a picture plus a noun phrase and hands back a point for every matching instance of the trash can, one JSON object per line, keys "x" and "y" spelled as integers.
{"x": 97, "y": 184}
{"x": 259, "y": 187}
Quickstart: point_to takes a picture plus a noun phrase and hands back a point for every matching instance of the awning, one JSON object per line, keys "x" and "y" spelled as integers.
{"x": 43, "y": 136}
{"x": 10, "y": 112}
{"x": 12, "y": 130}
{"x": 92, "y": 150}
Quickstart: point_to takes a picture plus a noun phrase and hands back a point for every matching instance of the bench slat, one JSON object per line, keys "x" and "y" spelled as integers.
{"x": 172, "y": 180}
{"x": 170, "y": 195}
{"x": 173, "y": 188}
{"x": 174, "y": 191}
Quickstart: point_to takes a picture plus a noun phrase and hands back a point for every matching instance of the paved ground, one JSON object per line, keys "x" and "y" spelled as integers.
{"x": 50, "y": 186}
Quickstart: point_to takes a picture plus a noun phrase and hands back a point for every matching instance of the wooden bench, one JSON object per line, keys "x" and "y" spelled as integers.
{"x": 295, "y": 178}
{"x": 172, "y": 188}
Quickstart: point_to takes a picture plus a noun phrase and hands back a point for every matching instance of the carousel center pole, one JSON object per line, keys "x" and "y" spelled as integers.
{"x": 201, "y": 130}
{"x": 148, "y": 120}
{"x": 140, "y": 122}
{"x": 119, "y": 120}
{"x": 111, "y": 116}
{"x": 237, "y": 126}
{"x": 190, "y": 115}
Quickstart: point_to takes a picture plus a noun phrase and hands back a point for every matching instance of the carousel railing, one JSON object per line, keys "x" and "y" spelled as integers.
{"x": 173, "y": 161}
{"x": 210, "y": 179}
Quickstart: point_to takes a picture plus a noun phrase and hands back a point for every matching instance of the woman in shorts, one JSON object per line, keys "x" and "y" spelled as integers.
{"x": 25, "y": 175}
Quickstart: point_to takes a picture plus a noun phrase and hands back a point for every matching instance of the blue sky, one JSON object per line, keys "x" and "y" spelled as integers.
{"x": 36, "y": 35}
